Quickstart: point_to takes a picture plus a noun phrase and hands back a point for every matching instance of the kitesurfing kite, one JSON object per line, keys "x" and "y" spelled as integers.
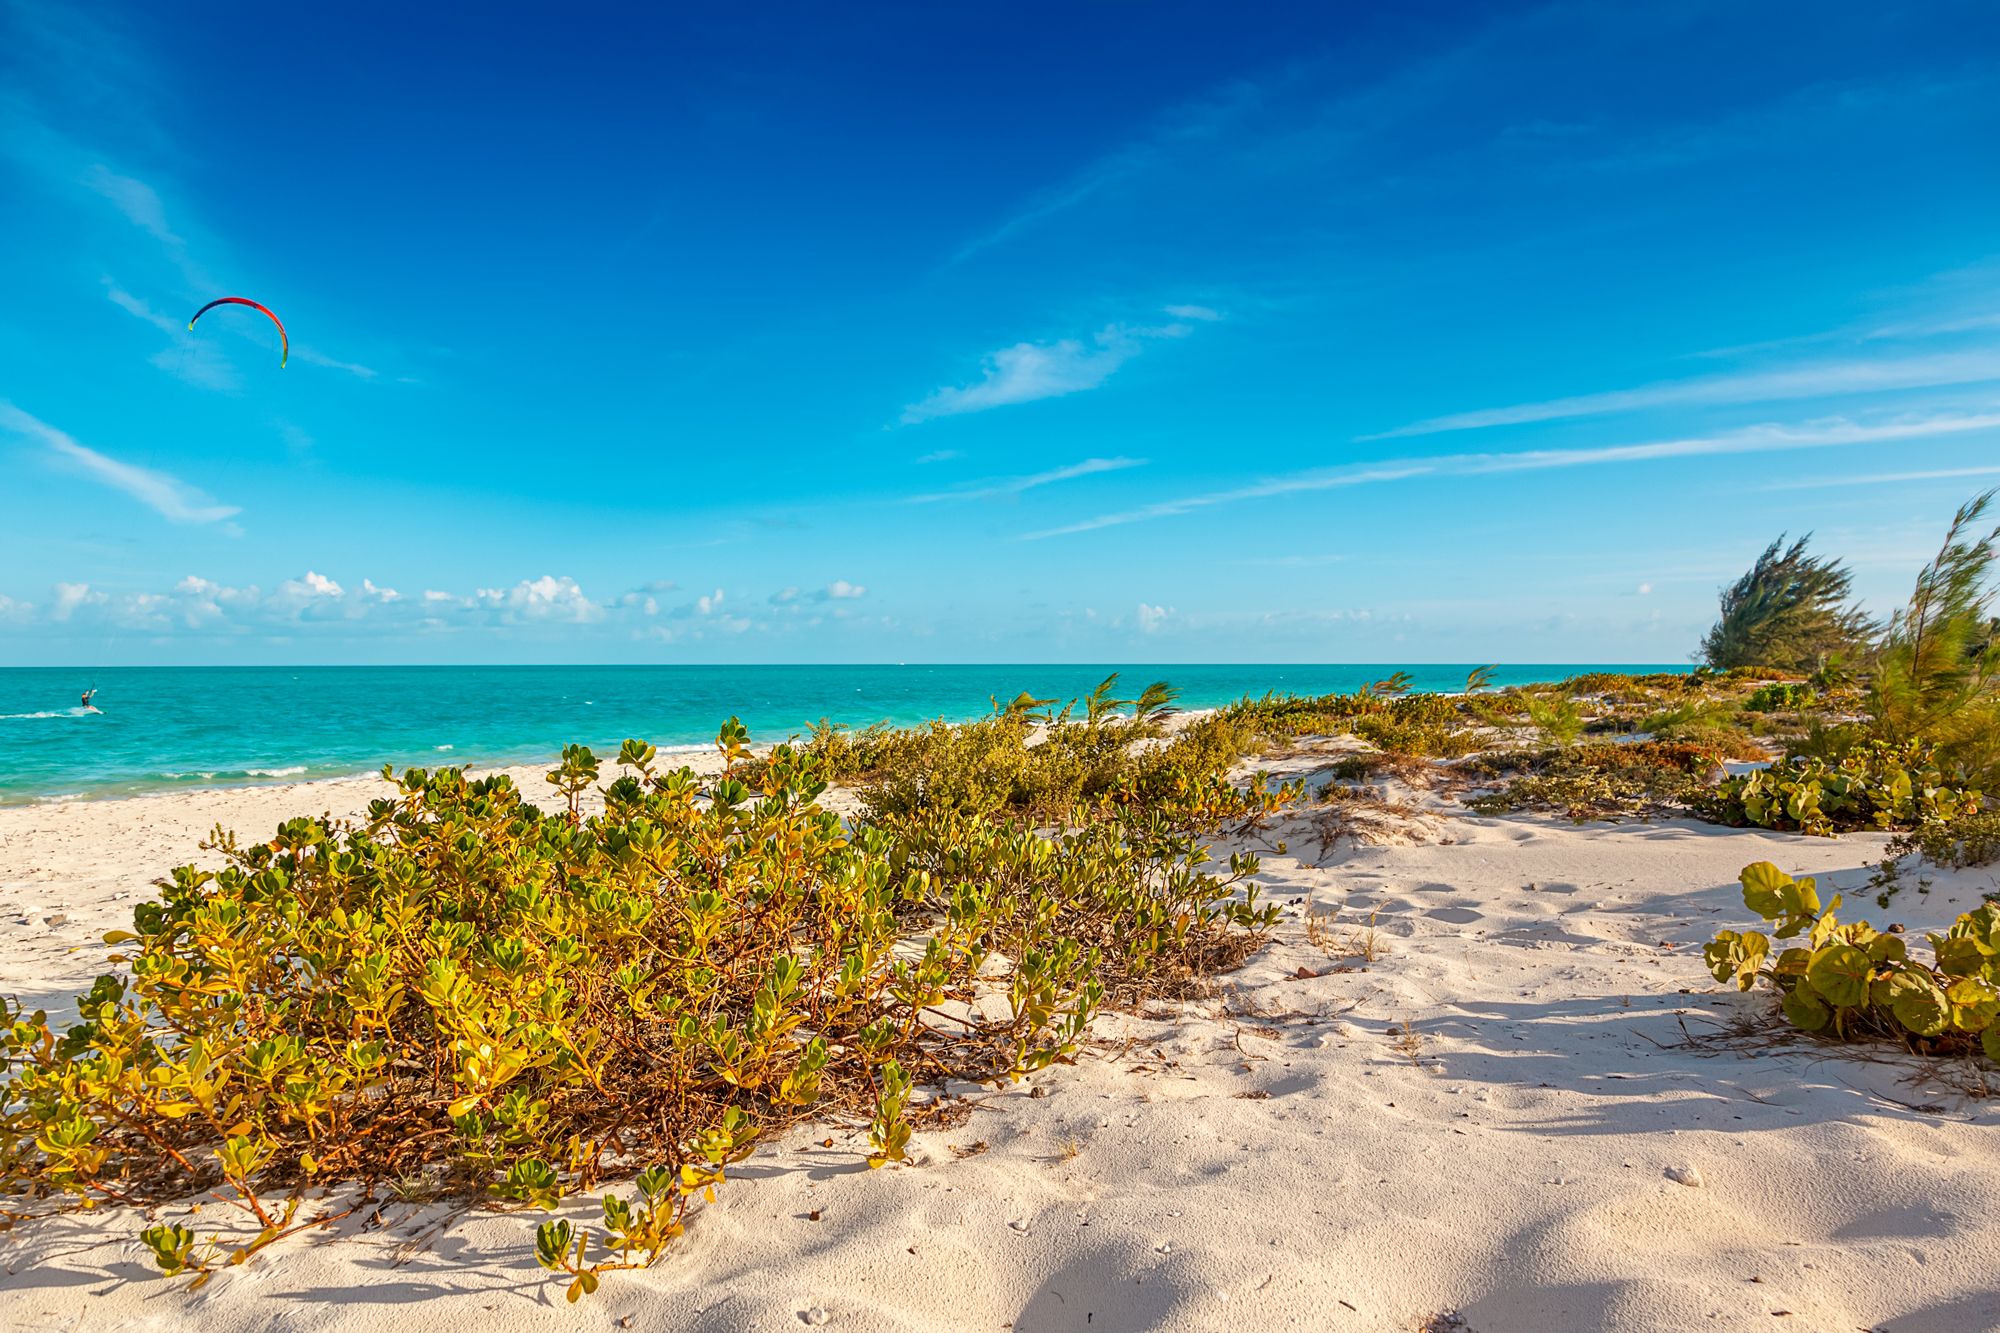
{"x": 284, "y": 342}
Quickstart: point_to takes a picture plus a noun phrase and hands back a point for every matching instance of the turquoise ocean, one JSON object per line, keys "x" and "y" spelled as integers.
{"x": 166, "y": 727}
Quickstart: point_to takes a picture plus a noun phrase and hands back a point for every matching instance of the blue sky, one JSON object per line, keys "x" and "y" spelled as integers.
{"x": 1156, "y": 331}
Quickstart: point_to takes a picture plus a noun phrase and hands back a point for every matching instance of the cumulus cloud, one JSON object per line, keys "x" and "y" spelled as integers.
{"x": 840, "y": 590}
{"x": 1152, "y": 617}
{"x": 69, "y": 597}
{"x": 548, "y": 598}
{"x": 317, "y": 601}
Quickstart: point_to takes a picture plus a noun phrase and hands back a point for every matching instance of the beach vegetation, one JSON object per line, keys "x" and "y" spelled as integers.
{"x": 1789, "y": 611}
{"x": 1971, "y": 840}
{"x": 1875, "y": 784}
{"x": 1849, "y": 980}
{"x": 1778, "y": 696}
{"x": 1559, "y": 720}
{"x": 1937, "y": 674}
{"x": 520, "y": 1005}
{"x": 1595, "y": 780}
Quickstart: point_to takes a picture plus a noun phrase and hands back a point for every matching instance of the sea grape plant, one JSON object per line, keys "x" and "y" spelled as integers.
{"x": 1876, "y": 785}
{"x": 1850, "y": 980}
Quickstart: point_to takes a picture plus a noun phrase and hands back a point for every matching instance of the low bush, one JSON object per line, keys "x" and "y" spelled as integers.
{"x": 1431, "y": 725}
{"x": 1779, "y": 697}
{"x": 519, "y": 1005}
{"x": 1970, "y": 840}
{"x": 1559, "y": 720}
{"x": 1851, "y": 980}
{"x": 1595, "y": 781}
{"x": 1875, "y": 785}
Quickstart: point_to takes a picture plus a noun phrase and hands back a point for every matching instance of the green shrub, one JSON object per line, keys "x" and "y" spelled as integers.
{"x": 1596, "y": 781}
{"x": 1875, "y": 785}
{"x": 1560, "y": 720}
{"x": 1970, "y": 840}
{"x": 516, "y": 1003}
{"x": 1854, "y": 981}
{"x": 1779, "y": 697}
{"x": 1283, "y": 716}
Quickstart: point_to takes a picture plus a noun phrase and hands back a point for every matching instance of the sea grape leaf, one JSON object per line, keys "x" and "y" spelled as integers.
{"x": 1762, "y": 883}
{"x": 1959, "y": 955}
{"x": 1731, "y": 956}
{"x": 1840, "y": 973}
{"x": 1918, "y": 1004}
{"x": 1887, "y": 949}
{"x": 1792, "y": 963}
{"x": 1806, "y": 1009}
{"x": 1974, "y": 1004}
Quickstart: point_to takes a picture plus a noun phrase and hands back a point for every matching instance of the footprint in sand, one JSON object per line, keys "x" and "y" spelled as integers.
{"x": 1457, "y": 916}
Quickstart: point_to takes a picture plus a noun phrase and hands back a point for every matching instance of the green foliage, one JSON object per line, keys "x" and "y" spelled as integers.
{"x": 1778, "y": 697}
{"x": 464, "y": 987}
{"x": 1876, "y": 785}
{"x": 1970, "y": 840}
{"x": 1702, "y": 720}
{"x": 1154, "y": 705}
{"x": 1938, "y": 675}
{"x": 1786, "y": 613}
{"x": 1851, "y": 980}
{"x": 1596, "y": 781}
{"x": 1479, "y": 678}
{"x": 1385, "y": 714}
{"x": 1559, "y": 720}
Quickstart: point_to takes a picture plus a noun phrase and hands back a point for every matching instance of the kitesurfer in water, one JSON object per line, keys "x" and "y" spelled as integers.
{"x": 88, "y": 695}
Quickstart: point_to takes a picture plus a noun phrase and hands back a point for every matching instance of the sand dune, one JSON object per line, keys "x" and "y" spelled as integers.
{"x": 1528, "y": 1113}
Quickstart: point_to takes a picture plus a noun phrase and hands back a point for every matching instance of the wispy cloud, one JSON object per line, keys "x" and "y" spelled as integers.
{"x": 1012, "y": 486}
{"x": 138, "y": 201}
{"x": 1029, "y": 371}
{"x": 1825, "y": 379}
{"x": 140, "y": 309}
{"x": 1755, "y": 439}
{"x": 189, "y": 359}
{"x": 1196, "y": 123}
{"x": 316, "y": 358}
{"x": 1882, "y": 479}
{"x": 167, "y": 495}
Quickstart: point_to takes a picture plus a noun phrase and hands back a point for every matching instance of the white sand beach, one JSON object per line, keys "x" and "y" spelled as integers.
{"x": 1525, "y": 1113}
